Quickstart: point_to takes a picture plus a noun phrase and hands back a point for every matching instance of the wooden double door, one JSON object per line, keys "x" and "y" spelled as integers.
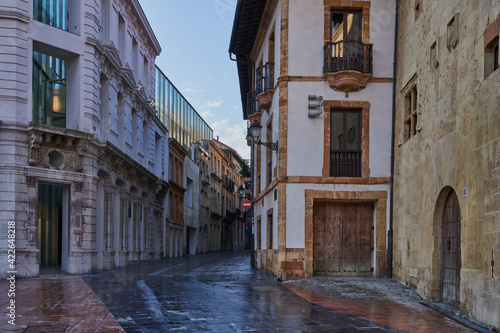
{"x": 343, "y": 239}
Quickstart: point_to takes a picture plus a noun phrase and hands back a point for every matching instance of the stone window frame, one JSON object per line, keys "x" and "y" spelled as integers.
{"x": 269, "y": 230}
{"x": 364, "y": 106}
{"x": 434, "y": 54}
{"x": 491, "y": 37}
{"x": 418, "y": 8}
{"x": 452, "y": 33}
{"x": 410, "y": 109}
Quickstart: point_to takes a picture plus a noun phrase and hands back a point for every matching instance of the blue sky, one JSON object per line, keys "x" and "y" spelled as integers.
{"x": 194, "y": 36}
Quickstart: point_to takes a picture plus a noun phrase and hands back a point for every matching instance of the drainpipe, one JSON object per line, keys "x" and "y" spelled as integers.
{"x": 391, "y": 212}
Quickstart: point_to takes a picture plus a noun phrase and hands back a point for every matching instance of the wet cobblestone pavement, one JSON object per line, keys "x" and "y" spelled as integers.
{"x": 216, "y": 292}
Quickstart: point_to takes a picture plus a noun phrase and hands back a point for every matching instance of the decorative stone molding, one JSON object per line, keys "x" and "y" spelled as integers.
{"x": 78, "y": 186}
{"x": 35, "y": 141}
{"x": 265, "y": 99}
{"x": 116, "y": 163}
{"x": 348, "y": 81}
{"x": 31, "y": 181}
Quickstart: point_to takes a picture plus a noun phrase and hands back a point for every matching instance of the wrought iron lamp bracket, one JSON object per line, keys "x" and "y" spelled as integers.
{"x": 270, "y": 145}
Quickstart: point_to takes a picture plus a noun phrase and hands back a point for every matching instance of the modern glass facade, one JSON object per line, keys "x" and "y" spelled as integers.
{"x": 51, "y": 12}
{"x": 49, "y": 90}
{"x": 181, "y": 119}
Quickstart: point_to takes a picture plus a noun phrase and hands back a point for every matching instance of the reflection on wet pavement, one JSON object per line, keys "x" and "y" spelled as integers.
{"x": 215, "y": 292}
{"x": 56, "y": 304}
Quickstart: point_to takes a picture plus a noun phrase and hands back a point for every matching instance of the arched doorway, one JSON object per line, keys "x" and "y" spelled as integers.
{"x": 451, "y": 261}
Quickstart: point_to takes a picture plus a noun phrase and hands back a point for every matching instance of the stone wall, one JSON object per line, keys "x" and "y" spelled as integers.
{"x": 454, "y": 146}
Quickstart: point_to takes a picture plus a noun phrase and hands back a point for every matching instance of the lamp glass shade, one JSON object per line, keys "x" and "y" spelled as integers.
{"x": 255, "y": 129}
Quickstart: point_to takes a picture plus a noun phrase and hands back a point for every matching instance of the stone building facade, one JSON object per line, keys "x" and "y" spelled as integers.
{"x": 83, "y": 154}
{"x": 317, "y": 77}
{"x": 447, "y": 155}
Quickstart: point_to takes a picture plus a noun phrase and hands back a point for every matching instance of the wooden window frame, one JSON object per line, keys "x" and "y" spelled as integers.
{"x": 364, "y": 106}
{"x": 354, "y": 6}
{"x": 411, "y": 117}
{"x": 345, "y": 12}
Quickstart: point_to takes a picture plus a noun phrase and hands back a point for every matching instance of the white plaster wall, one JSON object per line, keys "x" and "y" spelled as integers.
{"x": 306, "y": 37}
{"x": 295, "y": 207}
{"x": 305, "y": 134}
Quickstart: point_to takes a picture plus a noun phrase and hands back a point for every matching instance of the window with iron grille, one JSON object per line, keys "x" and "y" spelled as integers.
{"x": 345, "y": 143}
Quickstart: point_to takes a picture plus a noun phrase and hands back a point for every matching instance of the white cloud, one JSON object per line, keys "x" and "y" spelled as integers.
{"x": 207, "y": 114}
{"x": 189, "y": 90}
{"x": 236, "y": 107}
{"x": 232, "y": 135}
{"x": 214, "y": 104}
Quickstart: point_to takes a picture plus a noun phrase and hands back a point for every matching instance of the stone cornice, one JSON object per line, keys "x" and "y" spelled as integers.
{"x": 143, "y": 21}
{"x": 14, "y": 15}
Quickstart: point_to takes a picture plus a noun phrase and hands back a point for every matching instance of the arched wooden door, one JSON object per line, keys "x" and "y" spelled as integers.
{"x": 451, "y": 261}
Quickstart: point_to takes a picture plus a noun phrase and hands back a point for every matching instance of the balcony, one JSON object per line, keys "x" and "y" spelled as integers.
{"x": 264, "y": 85}
{"x": 228, "y": 183}
{"x": 348, "y": 65}
{"x": 345, "y": 163}
{"x": 252, "y": 106}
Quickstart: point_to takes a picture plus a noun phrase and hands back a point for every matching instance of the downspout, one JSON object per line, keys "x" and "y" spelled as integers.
{"x": 390, "y": 236}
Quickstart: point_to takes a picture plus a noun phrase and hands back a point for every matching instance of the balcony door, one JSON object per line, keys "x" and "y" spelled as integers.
{"x": 345, "y": 143}
{"x": 347, "y": 50}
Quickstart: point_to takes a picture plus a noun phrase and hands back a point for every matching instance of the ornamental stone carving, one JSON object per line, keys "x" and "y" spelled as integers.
{"x": 348, "y": 80}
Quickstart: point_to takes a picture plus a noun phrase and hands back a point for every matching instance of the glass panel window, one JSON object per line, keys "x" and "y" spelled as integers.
{"x": 345, "y": 144}
{"x": 51, "y": 12}
{"x": 49, "y": 90}
{"x": 346, "y": 26}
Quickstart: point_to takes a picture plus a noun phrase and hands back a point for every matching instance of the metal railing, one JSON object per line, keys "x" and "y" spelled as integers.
{"x": 348, "y": 55}
{"x": 252, "y": 103}
{"x": 345, "y": 163}
{"x": 228, "y": 183}
{"x": 264, "y": 77}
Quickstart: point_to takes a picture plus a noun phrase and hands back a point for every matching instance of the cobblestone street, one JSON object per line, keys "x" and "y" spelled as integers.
{"x": 219, "y": 292}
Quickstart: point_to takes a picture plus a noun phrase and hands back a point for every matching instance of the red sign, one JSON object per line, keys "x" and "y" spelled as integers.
{"x": 247, "y": 204}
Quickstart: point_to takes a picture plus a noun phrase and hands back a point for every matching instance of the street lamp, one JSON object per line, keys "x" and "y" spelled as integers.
{"x": 241, "y": 191}
{"x": 254, "y": 131}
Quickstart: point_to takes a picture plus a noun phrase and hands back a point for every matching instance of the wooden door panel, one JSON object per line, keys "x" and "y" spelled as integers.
{"x": 365, "y": 238}
{"x": 349, "y": 233}
{"x": 334, "y": 239}
{"x": 451, "y": 251}
{"x": 342, "y": 239}
{"x": 319, "y": 238}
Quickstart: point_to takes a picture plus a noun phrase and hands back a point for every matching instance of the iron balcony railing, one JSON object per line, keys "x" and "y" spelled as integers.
{"x": 228, "y": 183}
{"x": 345, "y": 163}
{"x": 252, "y": 103}
{"x": 348, "y": 55}
{"x": 265, "y": 77}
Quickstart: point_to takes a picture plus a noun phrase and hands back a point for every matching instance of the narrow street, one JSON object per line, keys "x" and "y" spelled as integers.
{"x": 215, "y": 292}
